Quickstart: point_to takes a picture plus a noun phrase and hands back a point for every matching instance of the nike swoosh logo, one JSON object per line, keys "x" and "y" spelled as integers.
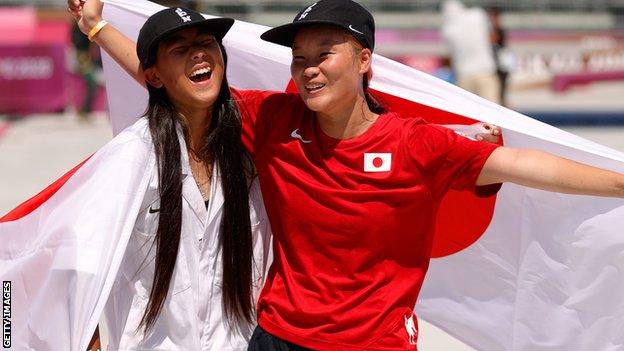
{"x": 151, "y": 210}
{"x": 355, "y": 30}
{"x": 295, "y": 134}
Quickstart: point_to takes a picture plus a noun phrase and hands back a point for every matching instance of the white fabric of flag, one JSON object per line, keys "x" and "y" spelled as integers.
{"x": 548, "y": 274}
{"x": 62, "y": 258}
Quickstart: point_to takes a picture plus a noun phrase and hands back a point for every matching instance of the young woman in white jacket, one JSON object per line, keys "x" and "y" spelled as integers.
{"x": 194, "y": 264}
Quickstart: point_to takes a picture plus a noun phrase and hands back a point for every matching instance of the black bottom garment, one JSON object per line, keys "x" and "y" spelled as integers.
{"x": 263, "y": 341}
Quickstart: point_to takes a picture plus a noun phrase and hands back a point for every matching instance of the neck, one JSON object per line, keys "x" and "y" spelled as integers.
{"x": 351, "y": 121}
{"x": 197, "y": 121}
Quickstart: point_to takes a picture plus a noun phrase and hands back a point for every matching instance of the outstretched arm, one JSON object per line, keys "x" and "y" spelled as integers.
{"x": 123, "y": 50}
{"x": 540, "y": 170}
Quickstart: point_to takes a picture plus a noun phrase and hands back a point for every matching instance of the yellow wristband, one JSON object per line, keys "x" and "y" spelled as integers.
{"x": 96, "y": 29}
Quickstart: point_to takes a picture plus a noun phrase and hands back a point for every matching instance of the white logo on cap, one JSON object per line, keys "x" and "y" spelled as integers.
{"x": 183, "y": 15}
{"x": 355, "y": 30}
{"x": 305, "y": 13}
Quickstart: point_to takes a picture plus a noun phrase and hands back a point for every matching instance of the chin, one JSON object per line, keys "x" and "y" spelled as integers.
{"x": 317, "y": 104}
{"x": 209, "y": 96}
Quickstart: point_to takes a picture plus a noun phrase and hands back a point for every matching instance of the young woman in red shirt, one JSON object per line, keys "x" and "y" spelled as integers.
{"x": 352, "y": 190}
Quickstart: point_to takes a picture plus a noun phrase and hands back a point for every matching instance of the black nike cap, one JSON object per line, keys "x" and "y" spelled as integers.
{"x": 171, "y": 20}
{"x": 346, "y": 14}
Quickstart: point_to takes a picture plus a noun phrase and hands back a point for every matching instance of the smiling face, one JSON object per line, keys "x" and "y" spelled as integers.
{"x": 327, "y": 68}
{"x": 189, "y": 65}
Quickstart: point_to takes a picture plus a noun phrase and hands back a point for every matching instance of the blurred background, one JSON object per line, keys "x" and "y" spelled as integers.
{"x": 559, "y": 61}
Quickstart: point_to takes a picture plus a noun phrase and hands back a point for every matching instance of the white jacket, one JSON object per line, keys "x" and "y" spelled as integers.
{"x": 74, "y": 254}
{"x": 192, "y": 317}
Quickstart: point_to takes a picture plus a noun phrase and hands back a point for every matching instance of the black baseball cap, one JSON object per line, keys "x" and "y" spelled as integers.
{"x": 346, "y": 14}
{"x": 170, "y": 20}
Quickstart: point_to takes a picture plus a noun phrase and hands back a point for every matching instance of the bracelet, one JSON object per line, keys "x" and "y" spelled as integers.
{"x": 96, "y": 29}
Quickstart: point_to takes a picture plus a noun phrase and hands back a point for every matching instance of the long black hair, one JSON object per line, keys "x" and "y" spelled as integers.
{"x": 221, "y": 145}
{"x": 372, "y": 101}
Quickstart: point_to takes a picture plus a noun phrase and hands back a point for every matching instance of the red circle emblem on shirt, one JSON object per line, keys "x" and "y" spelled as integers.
{"x": 377, "y": 162}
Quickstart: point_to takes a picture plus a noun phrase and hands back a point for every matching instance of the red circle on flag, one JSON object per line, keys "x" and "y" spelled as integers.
{"x": 462, "y": 217}
{"x": 377, "y": 162}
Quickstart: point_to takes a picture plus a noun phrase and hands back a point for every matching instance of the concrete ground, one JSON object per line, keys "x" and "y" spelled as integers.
{"x": 35, "y": 151}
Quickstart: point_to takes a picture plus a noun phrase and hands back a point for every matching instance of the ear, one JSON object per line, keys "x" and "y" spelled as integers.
{"x": 366, "y": 58}
{"x": 152, "y": 78}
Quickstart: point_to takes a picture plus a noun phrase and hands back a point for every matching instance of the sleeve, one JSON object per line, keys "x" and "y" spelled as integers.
{"x": 249, "y": 103}
{"x": 452, "y": 161}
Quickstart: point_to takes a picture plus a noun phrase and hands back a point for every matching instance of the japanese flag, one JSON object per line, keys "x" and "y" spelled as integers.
{"x": 545, "y": 270}
{"x": 377, "y": 162}
{"x": 541, "y": 265}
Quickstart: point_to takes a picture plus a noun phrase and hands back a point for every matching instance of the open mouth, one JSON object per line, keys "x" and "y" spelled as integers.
{"x": 201, "y": 75}
{"x": 311, "y": 88}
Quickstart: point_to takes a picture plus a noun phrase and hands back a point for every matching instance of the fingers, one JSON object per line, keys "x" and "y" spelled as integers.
{"x": 491, "y": 133}
{"x": 74, "y": 5}
{"x": 93, "y": 8}
{"x": 75, "y": 14}
{"x": 487, "y": 137}
{"x": 76, "y": 18}
{"x": 491, "y": 129}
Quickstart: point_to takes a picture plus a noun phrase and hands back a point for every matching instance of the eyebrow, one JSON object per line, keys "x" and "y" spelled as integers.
{"x": 173, "y": 38}
{"x": 325, "y": 42}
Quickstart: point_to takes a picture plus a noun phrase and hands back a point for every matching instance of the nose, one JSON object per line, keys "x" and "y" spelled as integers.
{"x": 198, "y": 53}
{"x": 311, "y": 71}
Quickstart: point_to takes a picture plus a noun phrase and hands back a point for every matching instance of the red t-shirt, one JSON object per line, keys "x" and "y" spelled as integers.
{"x": 352, "y": 219}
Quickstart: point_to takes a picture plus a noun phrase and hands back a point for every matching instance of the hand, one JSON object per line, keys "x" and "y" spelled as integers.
{"x": 94, "y": 344}
{"x": 87, "y": 13}
{"x": 492, "y": 133}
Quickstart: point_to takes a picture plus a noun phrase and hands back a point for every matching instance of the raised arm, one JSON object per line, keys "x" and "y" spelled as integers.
{"x": 123, "y": 50}
{"x": 540, "y": 170}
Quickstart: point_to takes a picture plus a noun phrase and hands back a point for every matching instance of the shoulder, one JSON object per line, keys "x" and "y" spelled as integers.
{"x": 414, "y": 123}
{"x": 405, "y": 119}
{"x": 126, "y": 158}
{"x": 422, "y": 135}
{"x": 263, "y": 97}
{"x": 411, "y": 125}
{"x": 136, "y": 139}
{"x": 138, "y": 130}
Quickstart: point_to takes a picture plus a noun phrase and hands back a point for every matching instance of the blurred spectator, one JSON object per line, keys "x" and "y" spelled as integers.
{"x": 467, "y": 34}
{"x": 445, "y": 71}
{"x": 501, "y": 56}
{"x": 189, "y": 4}
{"x": 88, "y": 64}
